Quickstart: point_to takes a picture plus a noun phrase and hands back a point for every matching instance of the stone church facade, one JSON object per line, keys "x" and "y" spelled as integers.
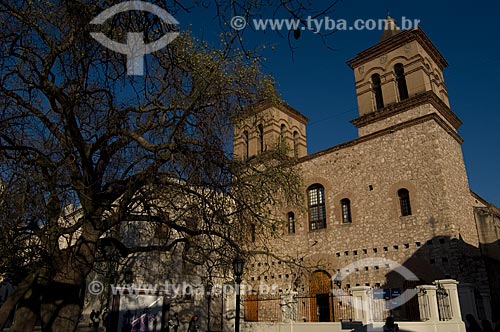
{"x": 398, "y": 193}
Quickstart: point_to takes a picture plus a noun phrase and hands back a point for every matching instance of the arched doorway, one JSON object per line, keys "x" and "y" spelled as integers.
{"x": 321, "y": 297}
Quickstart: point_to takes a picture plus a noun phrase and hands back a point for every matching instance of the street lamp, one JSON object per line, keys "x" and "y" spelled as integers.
{"x": 238, "y": 265}
{"x": 209, "y": 303}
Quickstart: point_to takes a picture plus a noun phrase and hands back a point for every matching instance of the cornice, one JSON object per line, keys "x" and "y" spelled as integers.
{"x": 282, "y": 106}
{"x": 428, "y": 97}
{"x": 396, "y": 41}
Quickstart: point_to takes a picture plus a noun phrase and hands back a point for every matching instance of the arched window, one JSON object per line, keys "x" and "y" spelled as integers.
{"x": 316, "y": 202}
{"x": 404, "y": 202}
{"x": 283, "y": 134}
{"x": 377, "y": 90}
{"x": 188, "y": 293}
{"x": 260, "y": 129}
{"x": 401, "y": 81}
{"x": 291, "y": 222}
{"x": 295, "y": 144}
{"x": 247, "y": 147}
{"x": 346, "y": 211}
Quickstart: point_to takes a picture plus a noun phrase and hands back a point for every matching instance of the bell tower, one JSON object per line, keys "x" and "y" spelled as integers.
{"x": 269, "y": 127}
{"x": 400, "y": 73}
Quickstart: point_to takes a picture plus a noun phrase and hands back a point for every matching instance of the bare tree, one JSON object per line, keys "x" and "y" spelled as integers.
{"x": 84, "y": 148}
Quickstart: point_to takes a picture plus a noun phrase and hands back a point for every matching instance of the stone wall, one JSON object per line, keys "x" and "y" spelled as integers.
{"x": 419, "y": 155}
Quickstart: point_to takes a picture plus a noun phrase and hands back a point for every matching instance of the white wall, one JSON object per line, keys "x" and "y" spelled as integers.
{"x": 336, "y": 327}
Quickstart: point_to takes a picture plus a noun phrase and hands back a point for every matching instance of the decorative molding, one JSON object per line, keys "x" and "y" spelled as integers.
{"x": 284, "y": 107}
{"x": 396, "y": 41}
{"x": 428, "y": 97}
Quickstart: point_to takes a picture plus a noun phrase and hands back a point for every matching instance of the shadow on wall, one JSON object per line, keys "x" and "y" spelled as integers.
{"x": 452, "y": 258}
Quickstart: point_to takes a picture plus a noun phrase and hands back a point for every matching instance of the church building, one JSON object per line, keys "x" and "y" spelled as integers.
{"x": 396, "y": 194}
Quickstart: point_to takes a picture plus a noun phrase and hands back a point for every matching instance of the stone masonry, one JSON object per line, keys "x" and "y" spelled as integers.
{"x": 410, "y": 143}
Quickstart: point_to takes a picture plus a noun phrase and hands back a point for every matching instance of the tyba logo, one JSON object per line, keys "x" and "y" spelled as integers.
{"x": 135, "y": 48}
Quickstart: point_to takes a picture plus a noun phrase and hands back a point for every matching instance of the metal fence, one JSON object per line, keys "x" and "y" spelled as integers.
{"x": 336, "y": 306}
{"x": 327, "y": 307}
{"x": 394, "y": 302}
{"x": 343, "y": 311}
{"x": 379, "y": 310}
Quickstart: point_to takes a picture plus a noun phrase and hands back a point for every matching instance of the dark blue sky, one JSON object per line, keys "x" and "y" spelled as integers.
{"x": 317, "y": 81}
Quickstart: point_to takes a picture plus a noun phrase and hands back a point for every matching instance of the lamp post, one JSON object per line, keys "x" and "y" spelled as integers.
{"x": 238, "y": 265}
{"x": 209, "y": 303}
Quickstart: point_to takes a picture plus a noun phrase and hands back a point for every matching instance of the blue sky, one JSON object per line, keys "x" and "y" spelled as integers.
{"x": 317, "y": 81}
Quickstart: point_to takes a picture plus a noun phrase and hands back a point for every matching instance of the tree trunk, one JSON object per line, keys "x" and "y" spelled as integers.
{"x": 27, "y": 311}
{"x": 25, "y": 319}
{"x": 58, "y": 306}
{"x": 63, "y": 298}
{"x": 60, "y": 312}
{"x": 58, "y": 298}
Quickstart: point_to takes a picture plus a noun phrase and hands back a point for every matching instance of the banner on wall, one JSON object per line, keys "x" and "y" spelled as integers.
{"x": 140, "y": 313}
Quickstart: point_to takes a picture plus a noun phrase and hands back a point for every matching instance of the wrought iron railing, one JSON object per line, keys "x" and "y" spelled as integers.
{"x": 337, "y": 306}
{"x": 267, "y": 308}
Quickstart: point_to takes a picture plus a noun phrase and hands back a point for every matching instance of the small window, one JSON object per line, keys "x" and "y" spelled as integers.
{"x": 401, "y": 81}
{"x": 247, "y": 146}
{"x": 404, "y": 202}
{"x": 188, "y": 294}
{"x": 346, "y": 211}
{"x": 317, "y": 211}
{"x": 291, "y": 223}
{"x": 377, "y": 91}
{"x": 260, "y": 130}
{"x": 295, "y": 144}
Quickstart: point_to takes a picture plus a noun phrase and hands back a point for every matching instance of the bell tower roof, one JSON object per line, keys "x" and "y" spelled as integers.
{"x": 390, "y": 29}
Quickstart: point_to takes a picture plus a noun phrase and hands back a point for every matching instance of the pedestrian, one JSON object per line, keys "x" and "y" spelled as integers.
{"x": 106, "y": 320}
{"x": 472, "y": 324}
{"x": 193, "y": 324}
{"x": 390, "y": 326}
{"x": 95, "y": 318}
{"x": 92, "y": 315}
{"x": 174, "y": 322}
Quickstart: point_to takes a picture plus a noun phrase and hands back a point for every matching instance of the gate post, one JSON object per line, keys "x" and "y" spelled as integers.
{"x": 451, "y": 288}
{"x": 362, "y": 304}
